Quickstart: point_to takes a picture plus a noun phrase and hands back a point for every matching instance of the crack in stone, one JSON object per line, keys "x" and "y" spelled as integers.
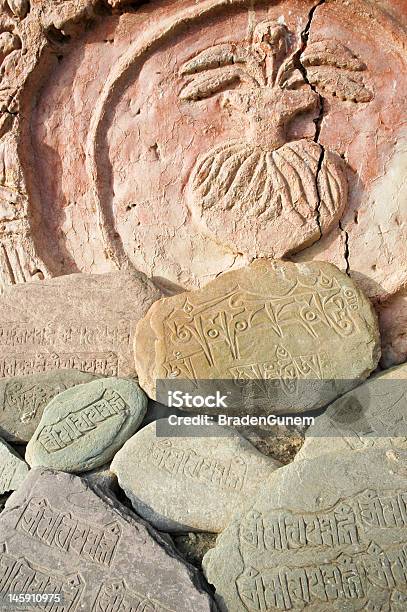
{"x": 318, "y": 120}
{"x": 346, "y": 252}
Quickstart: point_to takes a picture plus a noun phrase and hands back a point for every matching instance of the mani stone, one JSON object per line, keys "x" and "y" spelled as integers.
{"x": 374, "y": 414}
{"x": 58, "y": 536}
{"x": 328, "y": 533}
{"x": 23, "y": 399}
{"x": 79, "y": 321}
{"x": 13, "y": 469}
{"x": 190, "y": 483}
{"x": 83, "y": 427}
{"x": 304, "y": 330}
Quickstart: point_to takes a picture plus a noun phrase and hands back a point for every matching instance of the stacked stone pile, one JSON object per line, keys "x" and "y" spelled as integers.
{"x": 104, "y": 497}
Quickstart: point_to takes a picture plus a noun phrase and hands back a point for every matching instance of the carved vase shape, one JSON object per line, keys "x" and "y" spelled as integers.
{"x": 256, "y": 186}
{"x": 262, "y": 193}
{"x": 265, "y": 193}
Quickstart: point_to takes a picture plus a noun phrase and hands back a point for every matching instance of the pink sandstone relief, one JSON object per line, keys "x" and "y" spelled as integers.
{"x": 187, "y": 138}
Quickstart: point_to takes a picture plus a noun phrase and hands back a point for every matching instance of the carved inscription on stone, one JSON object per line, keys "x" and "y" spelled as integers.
{"x": 77, "y": 321}
{"x": 78, "y": 423}
{"x": 325, "y": 543}
{"x": 189, "y": 483}
{"x": 117, "y": 596}
{"x": 58, "y": 536}
{"x": 13, "y": 469}
{"x": 19, "y": 575}
{"x": 23, "y": 399}
{"x": 271, "y": 321}
{"x": 84, "y": 426}
{"x": 59, "y": 529}
{"x": 354, "y": 580}
{"x": 189, "y": 464}
{"x": 345, "y": 523}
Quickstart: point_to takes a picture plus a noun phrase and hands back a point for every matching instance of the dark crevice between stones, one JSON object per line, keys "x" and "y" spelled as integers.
{"x": 346, "y": 249}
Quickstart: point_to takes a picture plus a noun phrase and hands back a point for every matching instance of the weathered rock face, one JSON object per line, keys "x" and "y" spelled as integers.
{"x": 393, "y": 325}
{"x": 83, "y": 427}
{"x": 187, "y": 484}
{"x": 374, "y": 414}
{"x": 23, "y": 399}
{"x": 272, "y": 320}
{"x": 13, "y": 469}
{"x": 324, "y": 534}
{"x": 79, "y": 321}
{"x": 192, "y": 140}
{"x": 97, "y": 555}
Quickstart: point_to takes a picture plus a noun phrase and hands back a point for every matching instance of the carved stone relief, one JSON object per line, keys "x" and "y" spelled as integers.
{"x": 328, "y": 533}
{"x": 278, "y": 322}
{"x": 201, "y": 136}
{"x": 57, "y": 536}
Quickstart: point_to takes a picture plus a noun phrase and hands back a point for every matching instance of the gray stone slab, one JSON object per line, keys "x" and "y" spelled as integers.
{"x": 13, "y": 469}
{"x": 83, "y": 427}
{"x": 190, "y": 483}
{"x": 372, "y": 415}
{"x": 23, "y": 399}
{"x": 58, "y": 536}
{"x": 326, "y": 534}
{"x": 78, "y": 321}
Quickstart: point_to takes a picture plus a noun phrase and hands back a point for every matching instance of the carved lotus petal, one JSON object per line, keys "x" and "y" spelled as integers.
{"x": 342, "y": 84}
{"x": 271, "y": 202}
{"x": 331, "y": 53}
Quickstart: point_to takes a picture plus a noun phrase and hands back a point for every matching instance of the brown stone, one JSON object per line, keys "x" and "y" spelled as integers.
{"x": 97, "y": 555}
{"x": 79, "y": 321}
{"x": 193, "y": 143}
{"x": 271, "y": 320}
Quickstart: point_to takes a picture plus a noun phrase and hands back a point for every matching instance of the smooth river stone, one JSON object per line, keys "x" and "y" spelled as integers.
{"x": 79, "y": 321}
{"x": 97, "y": 554}
{"x": 328, "y": 533}
{"x": 190, "y": 483}
{"x": 83, "y": 427}
{"x": 23, "y": 399}
{"x": 305, "y": 323}
{"x": 13, "y": 469}
{"x": 372, "y": 415}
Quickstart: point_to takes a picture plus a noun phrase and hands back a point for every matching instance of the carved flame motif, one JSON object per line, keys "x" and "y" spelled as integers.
{"x": 262, "y": 178}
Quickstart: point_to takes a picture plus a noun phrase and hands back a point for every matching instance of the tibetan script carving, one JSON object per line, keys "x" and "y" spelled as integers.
{"x": 193, "y": 481}
{"x": 59, "y": 529}
{"x": 297, "y": 327}
{"x": 57, "y": 535}
{"x": 327, "y": 533}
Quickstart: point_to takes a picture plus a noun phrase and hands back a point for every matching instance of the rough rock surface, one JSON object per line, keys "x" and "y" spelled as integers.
{"x": 190, "y": 483}
{"x": 83, "y": 427}
{"x": 273, "y": 320}
{"x": 199, "y": 118}
{"x": 324, "y": 534}
{"x": 59, "y": 534}
{"x": 23, "y": 399}
{"x": 374, "y": 414}
{"x": 13, "y": 469}
{"x": 78, "y": 321}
